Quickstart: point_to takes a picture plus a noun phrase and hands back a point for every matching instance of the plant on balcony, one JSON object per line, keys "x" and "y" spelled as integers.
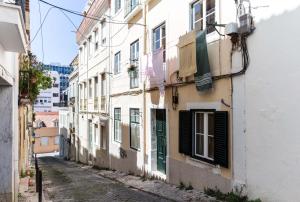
{"x": 32, "y": 78}
{"x": 131, "y": 68}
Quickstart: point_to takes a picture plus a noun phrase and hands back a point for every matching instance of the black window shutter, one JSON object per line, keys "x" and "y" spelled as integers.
{"x": 221, "y": 138}
{"x": 185, "y": 132}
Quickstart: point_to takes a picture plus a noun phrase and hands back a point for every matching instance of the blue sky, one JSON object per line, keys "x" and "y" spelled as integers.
{"x": 59, "y": 40}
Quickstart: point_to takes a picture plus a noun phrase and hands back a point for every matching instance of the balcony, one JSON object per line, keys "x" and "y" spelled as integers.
{"x": 12, "y": 28}
{"x": 132, "y": 7}
{"x": 103, "y": 103}
{"x": 96, "y": 103}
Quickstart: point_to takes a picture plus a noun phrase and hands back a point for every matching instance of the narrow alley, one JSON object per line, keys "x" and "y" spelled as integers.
{"x": 69, "y": 182}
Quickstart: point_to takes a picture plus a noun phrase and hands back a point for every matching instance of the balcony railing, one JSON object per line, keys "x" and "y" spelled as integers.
{"x": 96, "y": 103}
{"x": 103, "y": 103}
{"x": 130, "y": 5}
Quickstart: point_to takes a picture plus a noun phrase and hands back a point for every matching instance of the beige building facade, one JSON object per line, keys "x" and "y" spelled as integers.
{"x": 141, "y": 57}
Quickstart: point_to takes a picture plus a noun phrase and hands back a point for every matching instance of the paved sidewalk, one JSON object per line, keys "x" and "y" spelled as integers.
{"x": 27, "y": 193}
{"x": 156, "y": 187}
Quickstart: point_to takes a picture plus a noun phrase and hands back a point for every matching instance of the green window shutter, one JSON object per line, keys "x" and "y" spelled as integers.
{"x": 221, "y": 138}
{"x": 185, "y": 132}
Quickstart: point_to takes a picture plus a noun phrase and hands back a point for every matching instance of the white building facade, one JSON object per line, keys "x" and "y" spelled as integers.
{"x": 13, "y": 42}
{"x": 120, "y": 103}
{"x": 48, "y": 100}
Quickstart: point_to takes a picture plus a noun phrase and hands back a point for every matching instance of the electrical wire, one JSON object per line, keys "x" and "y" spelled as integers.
{"x": 89, "y": 16}
{"x": 41, "y": 25}
{"x": 42, "y": 37}
{"x": 71, "y": 21}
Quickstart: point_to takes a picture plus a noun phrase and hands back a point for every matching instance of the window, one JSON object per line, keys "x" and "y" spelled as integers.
{"x": 55, "y": 123}
{"x": 56, "y": 140}
{"x": 96, "y": 39}
{"x": 96, "y": 87}
{"x": 103, "y": 86}
{"x": 84, "y": 53}
{"x": 159, "y": 37}
{"x": 134, "y": 62}
{"x": 117, "y": 68}
{"x": 55, "y": 94}
{"x": 55, "y": 85}
{"x": 90, "y": 89}
{"x": 204, "y": 134}
{"x": 90, "y": 45}
{"x": 117, "y": 5}
{"x": 103, "y": 32}
{"x": 55, "y": 104}
{"x": 96, "y": 135}
{"x": 117, "y": 125}
{"x": 44, "y": 141}
{"x": 135, "y": 128}
{"x": 203, "y": 12}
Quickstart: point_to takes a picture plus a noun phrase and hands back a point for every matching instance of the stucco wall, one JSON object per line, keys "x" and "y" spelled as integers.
{"x": 271, "y": 110}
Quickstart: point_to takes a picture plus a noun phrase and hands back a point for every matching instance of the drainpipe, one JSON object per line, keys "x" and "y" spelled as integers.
{"x": 109, "y": 89}
{"x": 144, "y": 95}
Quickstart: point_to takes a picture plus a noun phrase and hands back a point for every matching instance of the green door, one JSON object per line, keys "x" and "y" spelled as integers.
{"x": 161, "y": 139}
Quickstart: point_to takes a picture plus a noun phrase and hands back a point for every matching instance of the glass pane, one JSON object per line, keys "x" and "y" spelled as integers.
{"x": 200, "y": 144}
{"x": 198, "y": 11}
{"x": 199, "y": 123}
{"x": 210, "y": 20}
{"x": 199, "y": 25}
{"x": 211, "y": 146}
{"x": 210, "y": 6}
{"x": 211, "y": 124}
{"x": 157, "y": 45}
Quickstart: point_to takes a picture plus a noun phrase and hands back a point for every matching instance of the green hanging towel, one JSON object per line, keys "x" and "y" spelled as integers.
{"x": 203, "y": 79}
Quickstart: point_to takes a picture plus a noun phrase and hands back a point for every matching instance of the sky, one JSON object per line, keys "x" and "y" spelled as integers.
{"x": 59, "y": 38}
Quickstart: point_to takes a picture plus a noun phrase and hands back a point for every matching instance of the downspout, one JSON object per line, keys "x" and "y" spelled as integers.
{"x": 144, "y": 95}
{"x": 109, "y": 88}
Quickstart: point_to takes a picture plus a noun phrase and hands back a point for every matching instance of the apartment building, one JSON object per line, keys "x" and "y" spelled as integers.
{"x": 49, "y": 100}
{"x": 164, "y": 119}
{"x": 73, "y": 106}
{"x": 93, "y": 76}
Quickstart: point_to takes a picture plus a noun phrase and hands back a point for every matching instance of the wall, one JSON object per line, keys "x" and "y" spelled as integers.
{"x": 181, "y": 168}
{"x": 271, "y": 103}
{"x": 51, "y": 134}
{"x": 122, "y": 156}
{"x": 9, "y": 128}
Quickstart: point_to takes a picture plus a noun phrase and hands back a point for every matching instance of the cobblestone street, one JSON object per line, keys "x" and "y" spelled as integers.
{"x": 63, "y": 181}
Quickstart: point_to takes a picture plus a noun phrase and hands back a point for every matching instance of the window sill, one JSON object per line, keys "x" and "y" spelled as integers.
{"x": 200, "y": 162}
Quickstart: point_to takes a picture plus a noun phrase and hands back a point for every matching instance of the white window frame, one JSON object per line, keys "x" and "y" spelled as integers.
{"x": 90, "y": 89}
{"x": 118, "y": 5}
{"x": 192, "y": 14}
{"x": 103, "y": 32}
{"x": 161, "y": 37}
{"x": 135, "y": 125}
{"x": 96, "y": 37}
{"x": 205, "y": 134}
{"x": 96, "y": 87}
{"x": 96, "y": 135}
{"x": 134, "y": 58}
{"x": 117, "y": 63}
{"x": 118, "y": 133}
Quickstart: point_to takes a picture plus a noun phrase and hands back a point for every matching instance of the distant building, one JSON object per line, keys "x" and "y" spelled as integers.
{"x": 49, "y": 100}
{"x": 46, "y": 132}
{"x": 46, "y": 140}
{"x": 63, "y": 71}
